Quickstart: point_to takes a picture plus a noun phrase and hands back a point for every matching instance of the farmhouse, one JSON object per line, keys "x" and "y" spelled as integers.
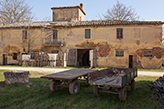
{"x": 125, "y": 44}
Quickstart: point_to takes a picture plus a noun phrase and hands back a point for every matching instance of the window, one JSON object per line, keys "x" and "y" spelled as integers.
{"x": 55, "y": 51}
{"x": 14, "y": 56}
{"x": 24, "y": 50}
{"x": 87, "y": 33}
{"x": 120, "y": 33}
{"x": 119, "y": 53}
{"x": 24, "y": 34}
{"x": 148, "y": 53}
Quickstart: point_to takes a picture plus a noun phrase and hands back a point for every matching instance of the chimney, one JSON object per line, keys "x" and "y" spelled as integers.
{"x": 81, "y": 6}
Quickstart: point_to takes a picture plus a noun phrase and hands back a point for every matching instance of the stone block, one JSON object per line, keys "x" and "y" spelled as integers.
{"x": 16, "y": 77}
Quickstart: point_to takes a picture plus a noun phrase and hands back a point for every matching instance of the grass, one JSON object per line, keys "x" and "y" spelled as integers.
{"x": 152, "y": 70}
{"x": 19, "y": 96}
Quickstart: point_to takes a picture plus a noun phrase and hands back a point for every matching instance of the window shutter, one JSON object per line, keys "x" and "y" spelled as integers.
{"x": 87, "y": 33}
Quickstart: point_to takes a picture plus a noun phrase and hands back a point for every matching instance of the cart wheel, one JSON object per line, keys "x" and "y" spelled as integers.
{"x": 96, "y": 91}
{"x": 53, "y": 86}
{"x": 133, "y": 85}
{"x": 122, "y": 94}
{"x": 74, "y": 87}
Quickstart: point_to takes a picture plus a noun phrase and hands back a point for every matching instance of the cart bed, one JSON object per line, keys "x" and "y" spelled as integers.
{"x": 69, "y": 74}
{"x": 114, "y": 77}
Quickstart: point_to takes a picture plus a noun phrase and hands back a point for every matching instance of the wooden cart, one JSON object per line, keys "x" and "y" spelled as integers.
{"x": 113, "y": 81}
{"x": 68, "y": 78}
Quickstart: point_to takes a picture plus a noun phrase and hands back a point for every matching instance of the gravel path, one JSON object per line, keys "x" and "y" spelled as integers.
{"x": 55, "y": 70}
{"x": 46, "y": 70}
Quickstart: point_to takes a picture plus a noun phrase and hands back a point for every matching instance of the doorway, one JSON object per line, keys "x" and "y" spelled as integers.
{"x": 82, "y": 57}
{"x": 4, "y": 59}
{"x": 130, "y": 61}
{"x": 85, "y": 59}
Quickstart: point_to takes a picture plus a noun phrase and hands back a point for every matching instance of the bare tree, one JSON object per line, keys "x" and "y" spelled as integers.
{"x": 121, "y": 12}
{"x": 15, "y": 11}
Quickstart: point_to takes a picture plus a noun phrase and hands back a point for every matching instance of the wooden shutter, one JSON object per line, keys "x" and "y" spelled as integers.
{"x": 93, "y": 58}
{"x": 71, "y": 57}
{"x": 134, "y": 61}
{"x": 55, "y": 34}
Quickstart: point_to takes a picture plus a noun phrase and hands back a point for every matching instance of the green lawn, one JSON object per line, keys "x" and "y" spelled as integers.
{"x": 39, "y": 96}
{"x": 152, "y": 70}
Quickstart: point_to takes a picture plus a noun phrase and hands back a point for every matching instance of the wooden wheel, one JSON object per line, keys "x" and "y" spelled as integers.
{"x": 74, "y": 87}
{"x": 96, "y": 91}
{"x": 133, "y": 85}
{"x": 54, "y": 85}
{"x": 122, "y": 94}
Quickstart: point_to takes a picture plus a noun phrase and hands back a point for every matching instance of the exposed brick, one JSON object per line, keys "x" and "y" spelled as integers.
{"x": 140, "y": 52}
{"x": 157, "y": 51}
{"x": 138, "y": 42}
{"x": 103, "y": 49}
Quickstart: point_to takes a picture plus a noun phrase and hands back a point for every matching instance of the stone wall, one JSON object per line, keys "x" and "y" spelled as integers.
{"x": 16, "y": 77}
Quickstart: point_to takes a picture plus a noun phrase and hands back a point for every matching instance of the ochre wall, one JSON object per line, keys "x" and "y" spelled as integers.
{"x": 11, "y": 42}
{"x": 135, "y": 40}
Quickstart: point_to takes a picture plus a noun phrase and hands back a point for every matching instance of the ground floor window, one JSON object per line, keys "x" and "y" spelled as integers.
{"x": 55, "y": 51}
{"x": 119, "y": 53}
{"x": 148, "y": 53}
{"x": 14, "y": 56}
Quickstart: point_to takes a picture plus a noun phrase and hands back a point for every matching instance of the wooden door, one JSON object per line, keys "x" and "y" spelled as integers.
{"x": 130, "y": 61}
{"x": 71, "y": 57}
{"x": 93, "y": 58}
{"x": 55, "y": 36}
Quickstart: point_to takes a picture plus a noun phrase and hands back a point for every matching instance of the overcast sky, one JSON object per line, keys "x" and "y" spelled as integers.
{"x": 148, "y": 10}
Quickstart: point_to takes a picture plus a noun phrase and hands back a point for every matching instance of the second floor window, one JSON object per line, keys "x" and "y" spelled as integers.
{"x": 119, "y": 33}
{"x": 87, "y": 33}
{"x": 24, "y": 34}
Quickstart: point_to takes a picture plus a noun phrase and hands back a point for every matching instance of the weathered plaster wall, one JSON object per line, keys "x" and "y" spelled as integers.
{"x": 135, "y": 40}
{"x": 67, "y": 14}
{"x": 11, "y": 42}
{"x": 105, "y": 41}
{"x": 81, "y": 16}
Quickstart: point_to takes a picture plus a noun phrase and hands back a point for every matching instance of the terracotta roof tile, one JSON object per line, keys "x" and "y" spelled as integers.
{"x": 79, "y": 23}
